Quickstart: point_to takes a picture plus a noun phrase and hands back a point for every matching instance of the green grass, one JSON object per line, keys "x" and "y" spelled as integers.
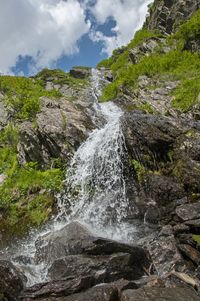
{"x": 26, "y": 195}
{"x": 196, "y": 238}
{"x": 178, "y": 64}
{"x": 22, "y": 95}
{"x": 60, "y": 77}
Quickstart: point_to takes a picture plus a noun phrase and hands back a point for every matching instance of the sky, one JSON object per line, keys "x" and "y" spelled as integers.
{"x": 37, "y": 34}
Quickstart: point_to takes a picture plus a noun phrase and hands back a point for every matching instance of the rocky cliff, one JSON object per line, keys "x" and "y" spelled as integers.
{"x": 155, "y": 80}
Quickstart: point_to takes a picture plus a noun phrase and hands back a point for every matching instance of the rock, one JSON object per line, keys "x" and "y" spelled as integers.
{"x": 162, "y": 189}
{"x": 181, "y": 228}
{"x": 58, "y": 288}
{"x": 152, "y": 215}
{"x": 103, "y": 292}
{"x": 188, "y": 211}
{"x": 103, "y": 268}
{"x": 70, "y": 240}
{"x": 193, "y": 225}
{"x": 11, "y": 281}
{"x": 60, "y": 128}
{"x": 165, "y": 255}
{"x": 160, "y": 294}
{"x": 80, "y": 72}
{"x": 147, "y": 135}
{"x": 167, "y": 15}
{"x": 190, "y": 253}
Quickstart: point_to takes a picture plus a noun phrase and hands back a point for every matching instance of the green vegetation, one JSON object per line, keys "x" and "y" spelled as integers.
{"x": 22, "y": 95}
{"x": 177, "y": 64}
{"x": 26, "y": 195}
{"x": 196, "y": 238}
{"x": 60, "y": 77}
{"x": 139, "y": 169}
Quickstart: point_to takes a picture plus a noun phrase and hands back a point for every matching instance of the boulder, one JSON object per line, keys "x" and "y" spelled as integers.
{"x": 58, "y": 288}
{"x": 160, "y": 294}
{"x": 80, "y": 72}
{"x": 11, "y": 281}
{"x": 188, "y": 212}
{"x": 75, "y": 239}
{"x": 70, "y": 240}
{"x": 190, "y": 253}
{"x": 59, "y": 129}
{"x": 104, "y": 268}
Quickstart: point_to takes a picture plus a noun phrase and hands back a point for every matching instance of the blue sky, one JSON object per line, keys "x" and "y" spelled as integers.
{"x": 37, "y": 34}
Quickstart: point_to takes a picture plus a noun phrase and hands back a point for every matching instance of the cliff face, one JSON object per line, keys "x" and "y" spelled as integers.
{"x": 168, "y": 15}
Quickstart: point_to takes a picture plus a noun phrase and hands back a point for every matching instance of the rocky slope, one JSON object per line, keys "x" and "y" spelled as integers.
{"x": 156, "y": 82}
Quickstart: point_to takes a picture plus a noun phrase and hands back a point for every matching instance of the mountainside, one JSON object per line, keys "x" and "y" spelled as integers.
{"x": 132, "y": 165}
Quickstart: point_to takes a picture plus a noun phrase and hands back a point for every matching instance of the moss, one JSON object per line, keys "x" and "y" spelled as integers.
{"x": 147, "y": 108}
{"x": 139, "y": 169}
{"x": 196, "y": 238}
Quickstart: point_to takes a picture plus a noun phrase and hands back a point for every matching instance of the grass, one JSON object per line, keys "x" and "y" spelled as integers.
{"x": 26, "y": 195}
{"x": 60, "y": 77}
{"x": 22, "y": 95}
{"x": 177, "y": 64}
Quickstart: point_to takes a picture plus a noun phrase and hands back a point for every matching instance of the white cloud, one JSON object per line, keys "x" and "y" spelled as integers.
{"x": 42, "y": 29}
{"x": 46, "y": 30}
{"x": 129, "y": 16}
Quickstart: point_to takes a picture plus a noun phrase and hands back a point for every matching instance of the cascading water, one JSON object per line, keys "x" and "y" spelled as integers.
{"x": 95, "y": 192}
{"x": 95, "y": 186}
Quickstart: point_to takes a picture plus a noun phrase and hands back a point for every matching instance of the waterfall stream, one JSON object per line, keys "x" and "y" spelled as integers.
{"x": 95, "y": 190}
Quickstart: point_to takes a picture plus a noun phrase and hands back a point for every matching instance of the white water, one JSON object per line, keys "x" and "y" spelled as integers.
{"x": 95, "y": 191}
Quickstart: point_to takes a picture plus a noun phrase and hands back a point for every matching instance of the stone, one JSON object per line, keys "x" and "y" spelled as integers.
{"x": 60, "y": 129}
{"x": 11, "y": 281}
{"x": 58, "y": 288}
{"x": 103, "y": 268}
{"x": 188, "y": 211}
{"x": 160, "y": 294}
{"x": 181, "y": 228}
{"x": 193, "y": 225}
{"x": 80, "y": 72}
{"x": 165, "y": 255}
{"x": 190, "y": 253}
{"x": 70, "y": 240}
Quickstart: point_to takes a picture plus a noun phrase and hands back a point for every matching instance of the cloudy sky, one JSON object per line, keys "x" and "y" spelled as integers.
{"x": 61, "y": 33}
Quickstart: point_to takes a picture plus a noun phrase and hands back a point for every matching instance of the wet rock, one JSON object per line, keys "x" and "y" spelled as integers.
{"x": 160, "y": 294}
{"x": 80, "y": 72}
{"x": 194, "y": 225}
{"x": 105, "y": 268}
{"x": 58, "y": 288}
{"x": 11, "y": 281}
{"x": 186, "y": 238}
{"x": 188, "y": 211}
{"x": 162, "y": 189}
{"x": 147, "y": 135}
{"x": 70, "y": 240}
{"x": 181, "y": 228}
{"x": 165, "y": 255}
{"x": 190, "y": 253}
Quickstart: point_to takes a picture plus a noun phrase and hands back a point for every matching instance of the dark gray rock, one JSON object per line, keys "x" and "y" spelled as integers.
{"x": 11, "y": 281}
{"x": 70, "y": 240}
{"x": 190, "y": 253}
{"x": 188, "y": 211}
{"x": 104, "y": 268}
{"x": 80, "y": 72}
{"x": 58, "y": 288}
{"x": 160, "y": 294}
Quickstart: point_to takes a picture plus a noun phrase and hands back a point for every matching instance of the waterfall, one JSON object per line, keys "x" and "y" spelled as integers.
{"x": 95, "y": 190}
{"x": 95, "y": 186}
